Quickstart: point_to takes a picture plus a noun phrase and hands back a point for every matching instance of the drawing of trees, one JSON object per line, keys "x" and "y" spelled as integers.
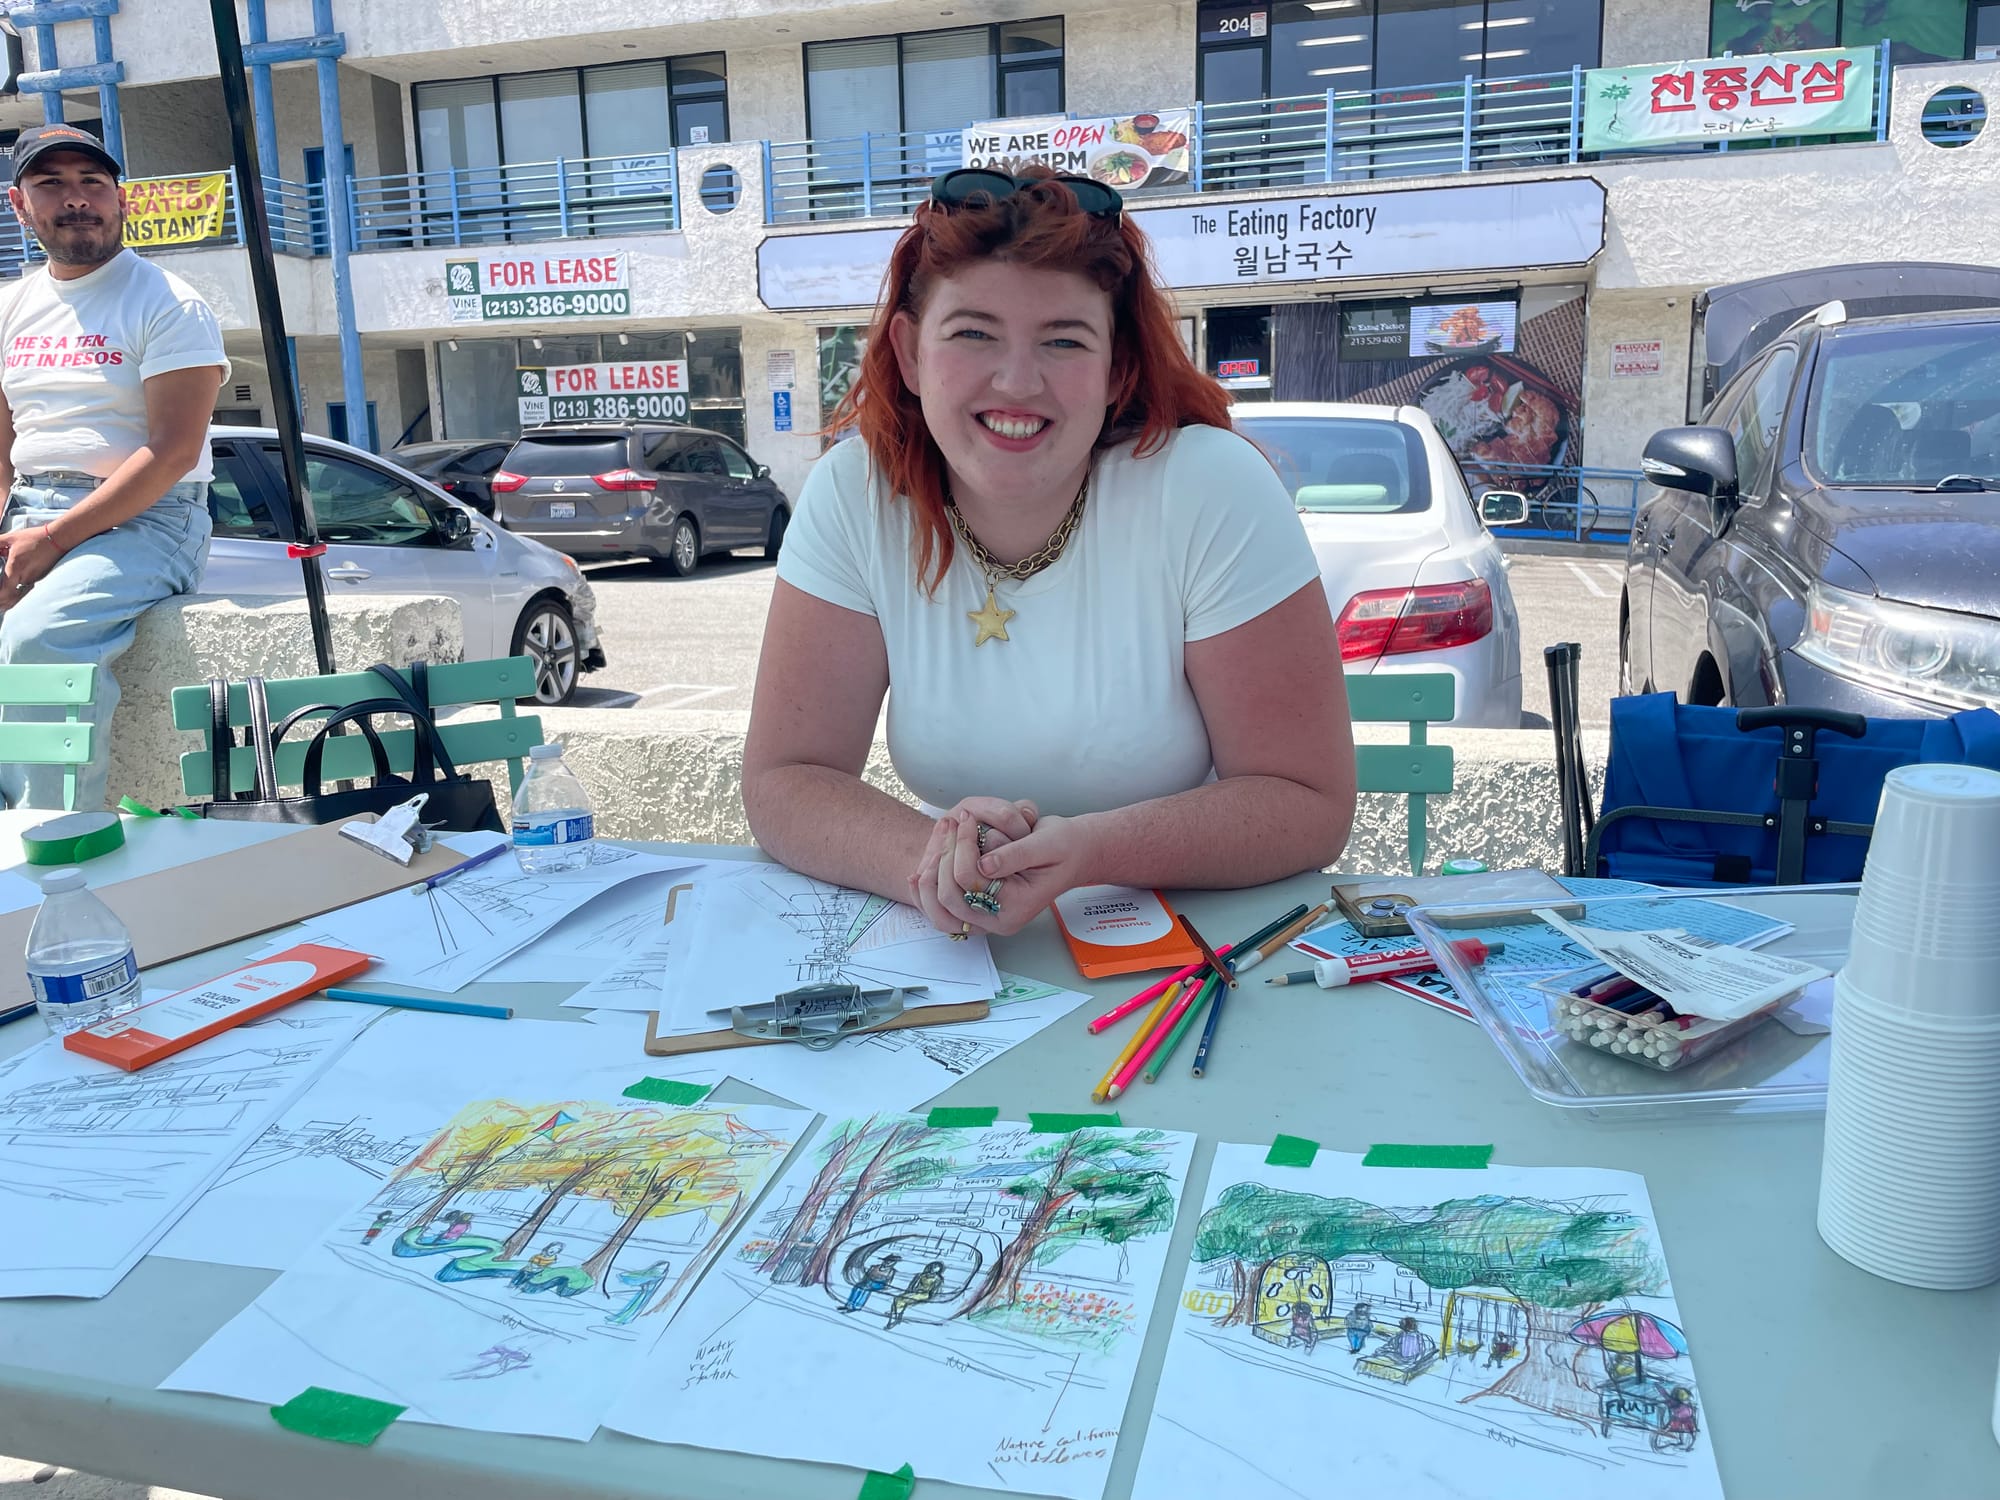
{"x": 566, "y": 1165}
{"x": 467, "y": 1150}
{"x": 1562, "y": 1261}
{"x": 852, "y": 1134}
{"x": 895, "y": 1164}
{"x": 1097, "y": 1185}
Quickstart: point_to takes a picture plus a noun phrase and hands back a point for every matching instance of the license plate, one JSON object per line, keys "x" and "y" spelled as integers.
{"x": 562, "y": 510}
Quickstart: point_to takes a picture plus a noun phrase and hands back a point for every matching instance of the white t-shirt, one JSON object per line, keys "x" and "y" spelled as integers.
{"x": 77, "y": 356}
{"x": 1086, "y": 705}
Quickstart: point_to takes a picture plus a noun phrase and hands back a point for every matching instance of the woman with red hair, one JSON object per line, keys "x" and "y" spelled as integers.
{"x": 1106, "y": 650}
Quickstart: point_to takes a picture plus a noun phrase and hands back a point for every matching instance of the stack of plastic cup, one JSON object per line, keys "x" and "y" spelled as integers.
{"x": 1910, "y": 1182}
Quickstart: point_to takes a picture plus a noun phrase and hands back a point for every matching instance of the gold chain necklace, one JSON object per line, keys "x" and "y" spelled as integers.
{"x": 991, "y": 622}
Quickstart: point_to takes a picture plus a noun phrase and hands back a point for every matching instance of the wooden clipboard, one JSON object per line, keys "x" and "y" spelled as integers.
{"x": 718, "y": 1041}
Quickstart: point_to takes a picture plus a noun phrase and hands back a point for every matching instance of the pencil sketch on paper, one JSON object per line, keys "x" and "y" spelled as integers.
{"x": 545, "y": 1237}
{"x": 95, "y": 1163}
{"x": 997, "y": 1280}
{"x": 1511, "y": 1331}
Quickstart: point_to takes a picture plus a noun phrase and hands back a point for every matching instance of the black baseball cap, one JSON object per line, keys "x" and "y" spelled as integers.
{"x": 39, "y": 140}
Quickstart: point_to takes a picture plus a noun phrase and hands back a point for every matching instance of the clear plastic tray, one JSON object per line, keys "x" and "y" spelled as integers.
{"x": 1767, "y": 1068}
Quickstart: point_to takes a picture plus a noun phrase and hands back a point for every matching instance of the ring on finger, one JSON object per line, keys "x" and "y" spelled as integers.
{"x": 983, "y": 830}
{"x": 987, "y": 900}
{"x": 964, "y": 932}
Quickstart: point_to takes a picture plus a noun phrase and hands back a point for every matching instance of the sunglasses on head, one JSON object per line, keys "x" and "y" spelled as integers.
{"x": 956, "y": 189}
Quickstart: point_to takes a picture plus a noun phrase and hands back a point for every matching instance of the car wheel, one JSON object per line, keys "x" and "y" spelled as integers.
{"x": 547, "y": 635}
{"x": 683, "y": 549}
{"x": 774, "y": 539}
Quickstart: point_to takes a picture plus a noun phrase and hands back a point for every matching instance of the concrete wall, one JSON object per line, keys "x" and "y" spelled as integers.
{"x": 173, "y": 128}
{"x": 1126, "y": 60}
{"x": 790, "y": 454}
{"x": 1619, "y": 414}
{"x": 383, "y": 372}
{"x": 767, "y": 93}
{"x": 1644, "y": 31}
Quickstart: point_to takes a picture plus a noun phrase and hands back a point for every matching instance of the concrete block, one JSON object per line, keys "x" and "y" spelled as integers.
{"x": 190, "y": 640}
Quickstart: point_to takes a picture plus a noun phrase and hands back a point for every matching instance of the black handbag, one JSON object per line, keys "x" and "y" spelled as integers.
{"x": 455, "y": 802}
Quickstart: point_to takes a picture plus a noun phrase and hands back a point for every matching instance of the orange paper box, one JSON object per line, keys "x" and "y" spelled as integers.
{"x": 1114, "y": 929}
{"x": 151, "y": 1032}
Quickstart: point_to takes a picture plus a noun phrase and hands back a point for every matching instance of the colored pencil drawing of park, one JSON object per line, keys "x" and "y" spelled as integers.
{"x": 530, "y": 1249}
{"x": 1503, "y": 1327}
{"x": 998, "y": 1281}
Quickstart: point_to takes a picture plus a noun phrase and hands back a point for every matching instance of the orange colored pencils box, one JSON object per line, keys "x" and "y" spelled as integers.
{"x": 1115, "y": 929}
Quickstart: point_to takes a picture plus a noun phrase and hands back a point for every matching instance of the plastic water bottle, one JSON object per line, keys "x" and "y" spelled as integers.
{"x": 553, "y": 828}
{"x": 80, "y": 961}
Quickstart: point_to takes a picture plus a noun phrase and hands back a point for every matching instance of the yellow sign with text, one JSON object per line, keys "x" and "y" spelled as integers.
{"x": 174, "y": 210}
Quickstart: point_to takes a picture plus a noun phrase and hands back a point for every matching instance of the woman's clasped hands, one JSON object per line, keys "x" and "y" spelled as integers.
{"x": 1026, "y": 861}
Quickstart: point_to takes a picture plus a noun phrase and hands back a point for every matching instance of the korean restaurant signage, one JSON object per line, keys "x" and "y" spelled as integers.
{"x": 1830, "y": 92}
{"x": 506, "y": 284}
{"x": 174, "y": 210}
{"x": 1490, "y": 226}
{"x": 1122, "y": 151}
{"x": 631, "y": 391}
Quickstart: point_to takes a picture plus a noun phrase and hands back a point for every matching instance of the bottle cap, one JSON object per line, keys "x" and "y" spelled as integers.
{"x": 544, "y": 752}
{"x": 58, "y": 881}
{"x": 1463, "y": 867}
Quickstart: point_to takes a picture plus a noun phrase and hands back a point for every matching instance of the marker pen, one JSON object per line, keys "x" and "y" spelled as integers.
{"x": 1332, "y": 973}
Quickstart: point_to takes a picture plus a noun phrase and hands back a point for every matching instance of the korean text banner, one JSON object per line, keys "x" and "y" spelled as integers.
{"x": 174, "y": 210}
{"x": 1774, "y": 94}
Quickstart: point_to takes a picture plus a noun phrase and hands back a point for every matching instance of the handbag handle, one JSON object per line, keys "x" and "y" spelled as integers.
{"x": 260, "y": 740}
{"x": 221, "y": 739}
{"x": 375, "y": 748}
{"x": 430, "y": 746}
{"x": 353, "y": 713}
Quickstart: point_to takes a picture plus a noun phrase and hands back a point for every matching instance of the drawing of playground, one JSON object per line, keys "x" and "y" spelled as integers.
{"x": 1538, "y": 1325}
{"x": 998, "y": 1280}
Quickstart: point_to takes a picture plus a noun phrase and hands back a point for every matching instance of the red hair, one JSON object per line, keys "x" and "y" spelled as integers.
{"x": 1155, "y": 387}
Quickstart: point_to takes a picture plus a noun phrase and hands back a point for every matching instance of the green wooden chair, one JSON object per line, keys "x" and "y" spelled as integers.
{"x": 509, "y": 737}
{"x": 1419, "y": 769}
{"x": 64, "y": 742}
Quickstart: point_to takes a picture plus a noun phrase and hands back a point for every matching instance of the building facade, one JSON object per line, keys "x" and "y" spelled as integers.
{"x": 1385, "y": 200}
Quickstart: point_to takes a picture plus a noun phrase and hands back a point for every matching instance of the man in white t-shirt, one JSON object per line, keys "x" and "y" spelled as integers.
{"x": 109, "y": 369}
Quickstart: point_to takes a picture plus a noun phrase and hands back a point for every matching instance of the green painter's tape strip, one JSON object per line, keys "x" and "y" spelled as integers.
{"x": 1462, "y": 1157}
{"x": 944, "y": 1116}
{"x": 896, "y": 1486}
{"x": 1064, "y": 1124}
{"x": 668, "y": 1091}
{"x": 1292, "y": 1151}
{"x": 336, "y": 1416}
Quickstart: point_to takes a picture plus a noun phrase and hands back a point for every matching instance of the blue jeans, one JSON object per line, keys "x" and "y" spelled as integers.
{"x": 87, "y": 609}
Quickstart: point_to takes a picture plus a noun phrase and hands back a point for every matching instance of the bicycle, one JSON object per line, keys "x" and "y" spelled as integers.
{"x": 1565, "y": 506}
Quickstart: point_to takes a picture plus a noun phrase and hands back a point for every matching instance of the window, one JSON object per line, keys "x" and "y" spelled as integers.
{"x": 736, "y": 461}
{"x": 235, "y": 503}
{"x": 1918, "y": 30}
{"x": 1904, "y": 406}
{"x": 1754, "y": 425}
{"x": 933, "y": 81}
{"x": 1295, "y": 49}
{"x": 1345, "y": 466}
{"x": 354, "y": 503}
{"x": 700, "y": 95}
{"x": 667, "y": 452}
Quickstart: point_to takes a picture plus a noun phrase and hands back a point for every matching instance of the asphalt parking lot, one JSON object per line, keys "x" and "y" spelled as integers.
{"x": 688, "y": 643}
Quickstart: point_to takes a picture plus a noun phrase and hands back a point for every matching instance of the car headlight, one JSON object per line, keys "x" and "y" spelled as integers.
{"x": 1935, "y": 654}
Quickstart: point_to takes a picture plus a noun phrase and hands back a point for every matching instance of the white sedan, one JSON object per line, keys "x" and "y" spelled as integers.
{"x": 389, "y": 532}
{"x": 1416, "y": 581}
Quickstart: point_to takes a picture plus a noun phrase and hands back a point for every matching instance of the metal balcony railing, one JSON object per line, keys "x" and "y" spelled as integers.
{"x": 1567, "y": 502}
{"x": 566, "y": 198}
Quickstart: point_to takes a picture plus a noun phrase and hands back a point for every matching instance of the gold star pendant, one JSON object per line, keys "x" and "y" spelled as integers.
{"x": 992, "y": 620}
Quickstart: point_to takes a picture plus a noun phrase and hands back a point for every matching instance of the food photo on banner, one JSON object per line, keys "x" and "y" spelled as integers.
{"x": 1501, "y": 377}
{"x": 1128, "y": 152}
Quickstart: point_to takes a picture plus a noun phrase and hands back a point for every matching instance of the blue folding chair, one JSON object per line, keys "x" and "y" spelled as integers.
{"x": 1697, "y": 796}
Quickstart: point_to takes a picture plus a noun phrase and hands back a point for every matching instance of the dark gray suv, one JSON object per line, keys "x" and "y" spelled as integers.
{"x": 671, "y": 493}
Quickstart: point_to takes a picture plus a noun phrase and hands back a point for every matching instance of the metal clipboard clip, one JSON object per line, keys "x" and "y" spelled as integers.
{"x": 818, "y": 1015}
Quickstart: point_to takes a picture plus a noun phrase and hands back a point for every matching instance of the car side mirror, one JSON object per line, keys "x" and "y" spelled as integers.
{"x": 1503, "y": 508}
{"x": 1700, "y": 460}
{"x": 763, "y": 472}
{"x": 456, "y": 525}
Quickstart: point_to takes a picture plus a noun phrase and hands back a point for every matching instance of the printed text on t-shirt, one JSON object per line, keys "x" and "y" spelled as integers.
{"x": 52, "y": 352}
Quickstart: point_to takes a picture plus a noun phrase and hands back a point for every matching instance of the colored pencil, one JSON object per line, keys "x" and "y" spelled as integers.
{"x": 1150, "y": 993}
{"x": 1165, "y": 1003}
{"x": 1208, "y": 1033}
{"x": 1278, "y": 939}
{"x": 416, "y": 1002}
{"x": 1214, "y": 961}
{"x": 1190, "y": 989}
{"x": 1270, "y": 929}
{"x": 1164, "y": 1053}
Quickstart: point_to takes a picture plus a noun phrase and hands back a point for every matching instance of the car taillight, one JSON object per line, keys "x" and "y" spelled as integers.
{"x": 1395, "y": 622}
{"x": 622, "y": 479}
{"x": 505, "y": 483}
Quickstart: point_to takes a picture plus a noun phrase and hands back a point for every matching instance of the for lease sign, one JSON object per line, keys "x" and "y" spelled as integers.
{"x": 631, "y": 390}
{"x": 505, "y": 284}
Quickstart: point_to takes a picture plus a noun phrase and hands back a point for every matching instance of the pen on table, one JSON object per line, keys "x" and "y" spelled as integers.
{"x": 1332, "y": 973}
{"x": 482, "y": 857}
{"x": 418, "y": 1002}
{"x": 17, "y": 1013}
{"x": 1214, "y": 961}
{"x": 1171, "y": 991}
{"x": 1150, "y": 993}
{"x": 1278, "y": 939}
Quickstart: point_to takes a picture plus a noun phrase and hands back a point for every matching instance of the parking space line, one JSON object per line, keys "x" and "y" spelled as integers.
{"x": 1615, "y": 573}
{"x": 1587, "y": 581}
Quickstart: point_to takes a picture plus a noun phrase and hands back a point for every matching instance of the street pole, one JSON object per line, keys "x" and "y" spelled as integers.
{"x": 256, "y": 225}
